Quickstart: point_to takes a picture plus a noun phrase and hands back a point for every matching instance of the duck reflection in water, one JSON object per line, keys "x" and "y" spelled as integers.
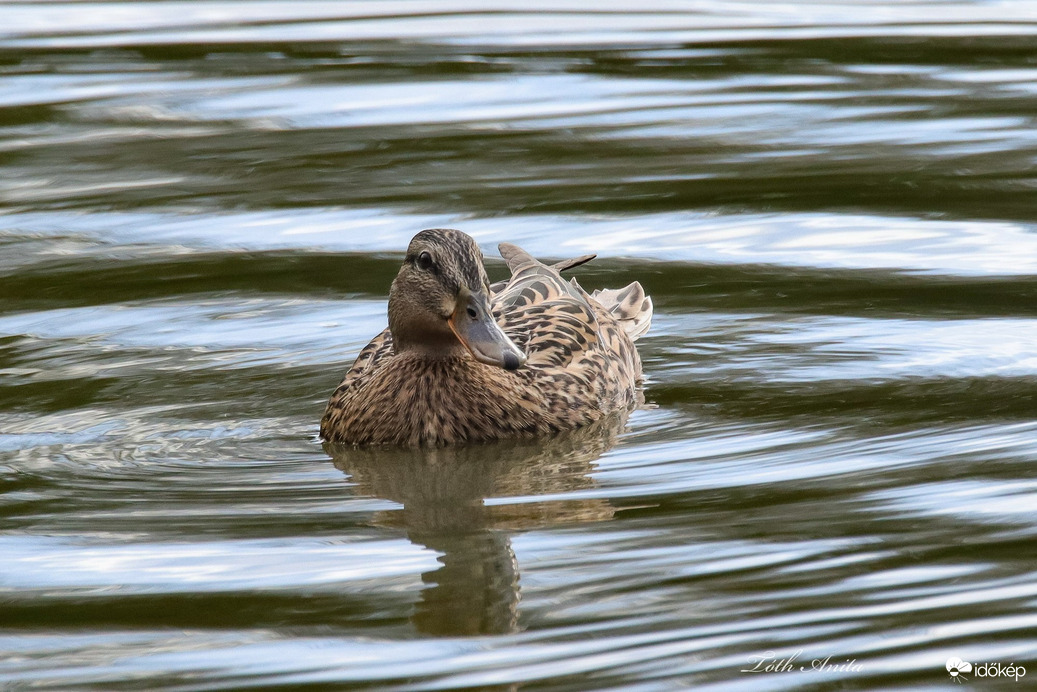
{"x": 444, "y": 490}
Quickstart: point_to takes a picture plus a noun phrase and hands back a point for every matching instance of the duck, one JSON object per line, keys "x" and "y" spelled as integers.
{"x": 466, "y": 361}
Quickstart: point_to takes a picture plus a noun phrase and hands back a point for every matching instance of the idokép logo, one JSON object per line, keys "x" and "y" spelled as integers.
{"x": 959, "y": 670}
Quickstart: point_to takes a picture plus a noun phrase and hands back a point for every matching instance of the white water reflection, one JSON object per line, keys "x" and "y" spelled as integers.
{"x": 825, "y": 240}
{"x": 820, "y": 349}
{"x": 503, "y": 23}
{"x": 100, "y": 341}
{"x": 63, "y": 564}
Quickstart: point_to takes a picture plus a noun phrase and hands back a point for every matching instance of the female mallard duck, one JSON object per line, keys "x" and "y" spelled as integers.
{"x": 464, "y": 361}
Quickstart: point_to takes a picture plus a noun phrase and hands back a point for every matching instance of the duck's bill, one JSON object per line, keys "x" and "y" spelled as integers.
{"x": 473, "y": 324}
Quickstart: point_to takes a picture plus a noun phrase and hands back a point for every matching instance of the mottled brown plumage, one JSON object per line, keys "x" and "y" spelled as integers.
{"x": 551, "y": 357}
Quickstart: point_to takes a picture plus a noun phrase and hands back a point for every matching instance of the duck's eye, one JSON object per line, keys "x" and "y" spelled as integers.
{"x": 424, "y": 261}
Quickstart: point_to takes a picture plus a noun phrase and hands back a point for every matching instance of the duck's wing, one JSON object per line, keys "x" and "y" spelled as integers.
{"x": 553, "y": 321}
{"x": 630, "y": 306}
{"x": 369, "y": 358}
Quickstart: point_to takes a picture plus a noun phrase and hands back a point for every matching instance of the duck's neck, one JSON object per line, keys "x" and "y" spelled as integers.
{"x": 443, "y": 348}
{"x": 423, "y": 336}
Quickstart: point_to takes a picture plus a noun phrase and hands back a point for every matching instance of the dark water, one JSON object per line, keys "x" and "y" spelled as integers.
{"x": 833, "y": 205}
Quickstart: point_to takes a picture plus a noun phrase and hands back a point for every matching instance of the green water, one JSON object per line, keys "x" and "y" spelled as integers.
{"x": 833, "y": 206}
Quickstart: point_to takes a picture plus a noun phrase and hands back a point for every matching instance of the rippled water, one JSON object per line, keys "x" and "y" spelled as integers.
{"x": 833, "y": 205}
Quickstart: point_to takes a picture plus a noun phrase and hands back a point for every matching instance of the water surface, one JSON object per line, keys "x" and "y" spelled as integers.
{"x": 202, "y": 206}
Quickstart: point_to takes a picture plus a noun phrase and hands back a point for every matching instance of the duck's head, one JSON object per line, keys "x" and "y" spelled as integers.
{"x": 439, "y": 303}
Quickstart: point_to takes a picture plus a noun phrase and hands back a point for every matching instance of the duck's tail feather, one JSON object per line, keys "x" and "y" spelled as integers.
{"x": 568, "y": 264}
{"x": 629, "y": 305}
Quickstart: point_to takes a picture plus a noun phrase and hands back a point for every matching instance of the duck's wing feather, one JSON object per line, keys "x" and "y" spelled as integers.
{"x": 559, "y": 267}
{"x": 369, "y": 358}
{"x": 568, "y": 264}
{"x": 553, "y": 321}
{"x": 631, "y": 307}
